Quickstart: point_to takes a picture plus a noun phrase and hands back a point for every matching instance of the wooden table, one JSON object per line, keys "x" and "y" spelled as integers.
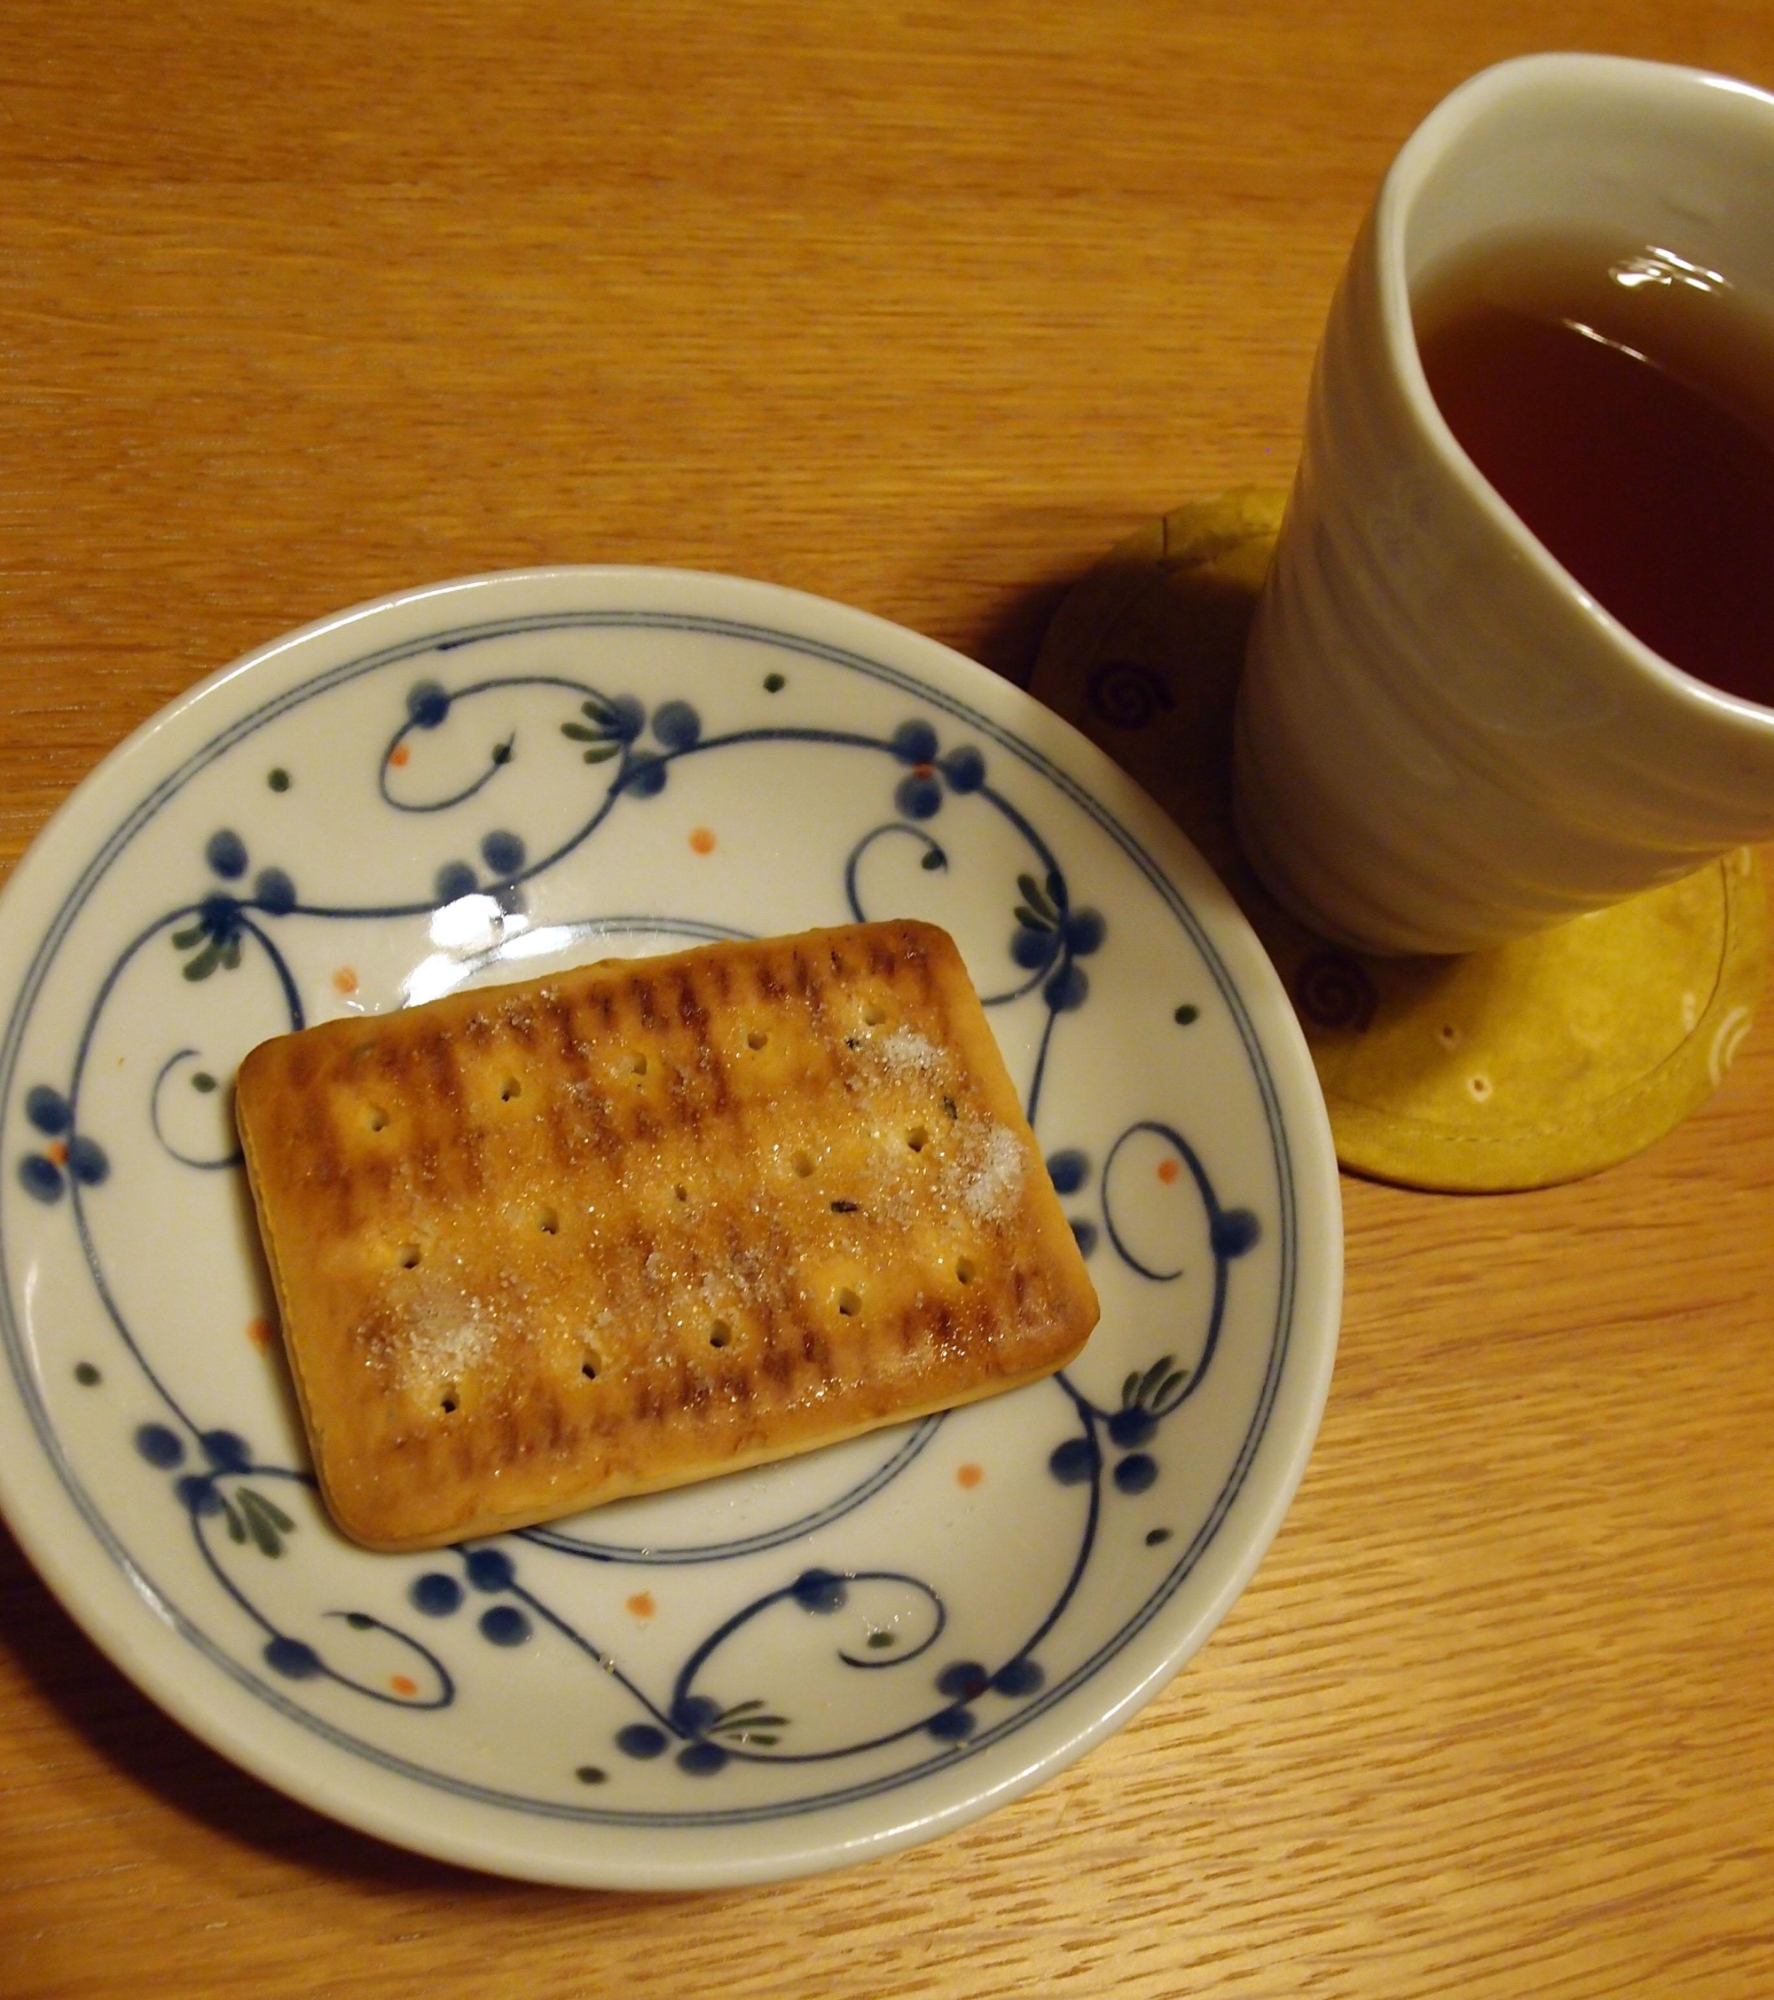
{"x": 921, "y": 311}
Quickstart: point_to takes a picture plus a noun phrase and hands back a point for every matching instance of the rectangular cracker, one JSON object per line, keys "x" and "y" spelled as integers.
{"x": 538, "y": 1247}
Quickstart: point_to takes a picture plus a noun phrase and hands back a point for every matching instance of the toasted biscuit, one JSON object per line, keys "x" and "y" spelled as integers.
{"x": 538, "y": 1247}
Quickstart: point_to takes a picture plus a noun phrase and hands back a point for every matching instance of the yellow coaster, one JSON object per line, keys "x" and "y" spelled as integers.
{"x": 1519, "y": 1067}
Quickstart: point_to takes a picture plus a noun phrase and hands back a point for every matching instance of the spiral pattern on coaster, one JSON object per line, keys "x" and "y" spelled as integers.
{"x": 1127, "y": 695}
{"x": 1333, "y": 990}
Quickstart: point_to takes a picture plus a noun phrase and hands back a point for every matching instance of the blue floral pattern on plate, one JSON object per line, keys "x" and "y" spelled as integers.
{"x": 833, "y": 1654}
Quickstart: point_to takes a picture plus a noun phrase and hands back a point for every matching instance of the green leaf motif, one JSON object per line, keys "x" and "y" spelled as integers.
{"x": 266, "y": 1522}
{"x": 1039, "y": 901}
{"x": 1153, "y": 1376}
{"x": 740, "y": 1721}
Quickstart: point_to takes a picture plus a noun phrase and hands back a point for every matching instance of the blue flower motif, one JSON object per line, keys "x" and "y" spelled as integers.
{"x": 641, "y": 1740}
{"x": 1032, "y": 949}
{"x": 226, "y": 854}
{"x": 1235, "y": 1231}
{"x": 454, "y": 880}
{"x": 40, "y": 1177}
{"x": 48, "y": 1110}
{"x": 227, "y": 1451}
{"x": 691, "y": 1714}
{"x": 1068, "y": 1169}
{"x": 436, "y": 1594}
{"x": 1068, "y": 989}
{"x": 914, "y": 743}
{"x": 819, "y": 1590}
{"x": 701, "y": 1760}
{"x": 1074, "y": 1462}
{"x": 161, "y": 1447}
{"x": 490, "y": 1569}
{"x": 919, "y": 796}
{"x": 1136, "y": 1472}
{"x": 1049, "y": 933}
{"x": 1019, "y": 1677}
{"x": 503, "y": 852}
{"x": 676, "y": 724}
{"x": 504, "y": 1625}
{"x": 965, "y": 769}
{"x": 1132, "y": 1426}
{"x": 293, "y": 1660}
{"x": 197, "y": 1490}
{"x": 952, "y": 1725}
{"x": 961, "y": 1680}
{"x": 427, "y": 704}
{"x": 274, "y": 892}
{"x": 43, "y": 1175}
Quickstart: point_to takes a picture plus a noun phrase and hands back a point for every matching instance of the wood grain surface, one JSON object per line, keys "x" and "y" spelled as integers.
{"x": 921, "y": 309}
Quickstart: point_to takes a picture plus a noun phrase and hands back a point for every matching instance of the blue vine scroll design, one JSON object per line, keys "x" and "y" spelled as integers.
{"x": 234, "y": 1504}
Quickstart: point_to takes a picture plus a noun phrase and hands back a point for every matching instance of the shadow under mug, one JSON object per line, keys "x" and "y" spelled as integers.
{"x": 1442, "y": 742}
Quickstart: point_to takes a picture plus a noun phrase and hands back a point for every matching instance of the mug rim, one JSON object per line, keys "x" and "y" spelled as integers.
{"x": 1449, "y": 121}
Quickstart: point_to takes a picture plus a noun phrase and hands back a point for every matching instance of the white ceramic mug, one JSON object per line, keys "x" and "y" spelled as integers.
{"x": 1443, "y": 742}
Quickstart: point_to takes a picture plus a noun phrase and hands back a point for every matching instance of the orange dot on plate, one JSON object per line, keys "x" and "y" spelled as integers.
{"x": 1168, "y": 1170}
{"x": 57, "y": 1152}
{"x": 345, "y": 979}
{"x": 399, "y": 755}
{"x": 969, "y": 1474}
{"x": 702, "y": 840}
{"x": 642, "y": 1605}
{"x": 258, "y": 1331}
{"x": 402, "y": 1685}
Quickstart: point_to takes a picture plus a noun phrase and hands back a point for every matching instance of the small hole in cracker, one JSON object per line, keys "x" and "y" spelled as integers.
{"x": 409, "y": 1256}
{"x": 964, "y": 1270}
{"x": 637, "y": 1065}
{"x": 448, "y": 1405}
{"x": 848, "y": 1303}
{"x": 803, "y": 1164}
{"x": 589, "y": 1370}
{"x": 509, "y": 1089}
{"x": 756, "y": 1039}
{"x": 377, "y": 1118}
{"x": 917, "y": 1138}
{"x": 872, "y": 1016}
{"x": 548, "y": 1222}
{"x": 719, "y": 1334}
{"x": 679, "y": 1194}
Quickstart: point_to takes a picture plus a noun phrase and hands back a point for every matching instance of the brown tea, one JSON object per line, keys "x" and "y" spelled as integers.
{"x": 1622, "y": 402}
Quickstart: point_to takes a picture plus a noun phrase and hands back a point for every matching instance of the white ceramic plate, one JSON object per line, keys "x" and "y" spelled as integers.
{"x": 785, "y": 1670}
